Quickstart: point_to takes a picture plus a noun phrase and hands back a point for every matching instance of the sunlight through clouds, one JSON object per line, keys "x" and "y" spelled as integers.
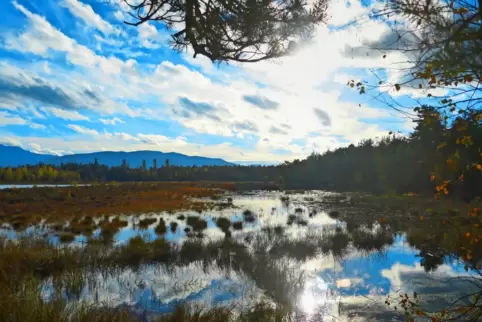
{"x": 127, "y": 79}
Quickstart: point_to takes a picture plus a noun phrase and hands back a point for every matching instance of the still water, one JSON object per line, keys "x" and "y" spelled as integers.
{"x": 24, "y": 186}
{"x": 311, "y": 262}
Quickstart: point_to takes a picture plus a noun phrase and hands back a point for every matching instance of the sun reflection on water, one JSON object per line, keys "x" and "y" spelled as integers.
{"x": 316, "y": 296}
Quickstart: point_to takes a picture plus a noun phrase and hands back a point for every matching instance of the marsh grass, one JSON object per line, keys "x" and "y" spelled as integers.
{"x": 249, "y": 216}
{"x": 161, "y": 228}
{"x": 66, "y": 237}
{"x": 24, "y": 207}
{"x": 68, "y": 270}
{"x": 83, "y": 226}
{"x": 146, "y": 222}
{"x": 334, "y": 214}
{"x": 270, "y": 259}
{"x": 291, "y": 219}
{"x": 368, "y": 241}
{"x": 223, "y": 223}
{"x": 197, "y": 223}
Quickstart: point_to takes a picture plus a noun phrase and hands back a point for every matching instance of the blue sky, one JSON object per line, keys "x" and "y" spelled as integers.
{"x": 75, "y": 78}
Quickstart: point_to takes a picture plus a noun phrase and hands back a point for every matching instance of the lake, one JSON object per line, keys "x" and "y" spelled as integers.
{"x": 287, "y": 250}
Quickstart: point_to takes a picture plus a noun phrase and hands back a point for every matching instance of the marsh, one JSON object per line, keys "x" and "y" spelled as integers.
{"x": 293, "y": 257}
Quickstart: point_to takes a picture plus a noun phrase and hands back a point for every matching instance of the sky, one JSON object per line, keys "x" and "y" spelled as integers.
{"x": 75, "y": 78}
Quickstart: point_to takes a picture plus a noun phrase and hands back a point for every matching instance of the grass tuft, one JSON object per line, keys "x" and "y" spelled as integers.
{"x": 197, "y": 223}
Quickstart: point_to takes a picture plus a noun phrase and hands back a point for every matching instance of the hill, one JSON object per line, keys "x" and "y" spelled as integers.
{"x": 15, "y": 156}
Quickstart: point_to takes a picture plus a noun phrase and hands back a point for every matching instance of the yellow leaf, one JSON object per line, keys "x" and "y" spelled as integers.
{"x": 467, "y": 234}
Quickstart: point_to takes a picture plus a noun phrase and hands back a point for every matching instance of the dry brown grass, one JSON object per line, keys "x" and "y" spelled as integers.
{"x": 24, "y": 207}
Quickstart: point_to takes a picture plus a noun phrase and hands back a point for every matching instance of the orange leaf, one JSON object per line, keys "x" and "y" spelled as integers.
{"x": 467, "y": 234}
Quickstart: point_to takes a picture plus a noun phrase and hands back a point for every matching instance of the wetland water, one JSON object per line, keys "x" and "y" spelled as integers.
{"x": 291, "y": 250}
{"x": 23, "y": 186}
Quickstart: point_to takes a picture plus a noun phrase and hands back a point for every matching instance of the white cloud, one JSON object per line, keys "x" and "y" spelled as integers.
{"x": 35, "y": 112}
{"x": 112, "y": 121}
{"x": 309, "y": 79}
{"x": 150, "y": 37}
{"x": 68, "y": 115}
{"x": 37, "y": 126}
{"x": 119, "y": 15}
{"x": 38, "y": 149}
{"x": 40, "y": 37}
{"x": 89, "y": 17}
{"x": 342, "y": 12}
{"x": 9, "y": 103}
{"x": 147, "y": 31}
{"x": 83, "y": 130}
{"x": 9, "y": 119}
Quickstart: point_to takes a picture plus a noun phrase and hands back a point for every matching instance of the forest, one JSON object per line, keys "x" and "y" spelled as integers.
{"x": 441, "y": 146}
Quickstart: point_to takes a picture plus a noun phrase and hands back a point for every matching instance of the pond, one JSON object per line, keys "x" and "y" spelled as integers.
{"x": 24, "y": 186}
{"x": 289, "y": 250}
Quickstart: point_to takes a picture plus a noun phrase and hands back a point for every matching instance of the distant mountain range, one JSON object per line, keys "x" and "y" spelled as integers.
{"x": 15, "y": 156}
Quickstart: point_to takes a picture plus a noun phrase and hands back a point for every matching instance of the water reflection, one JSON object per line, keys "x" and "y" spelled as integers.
{"x": 291, "y": 252}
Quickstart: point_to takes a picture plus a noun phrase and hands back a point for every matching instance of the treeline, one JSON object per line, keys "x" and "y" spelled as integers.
{"x": 91, "y": 172}
{"x": 38, "y": 173}
{"x": 441, "y": 152}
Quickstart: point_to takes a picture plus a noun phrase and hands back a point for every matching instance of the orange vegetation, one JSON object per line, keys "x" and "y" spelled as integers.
{"x": 29, "y": 206}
